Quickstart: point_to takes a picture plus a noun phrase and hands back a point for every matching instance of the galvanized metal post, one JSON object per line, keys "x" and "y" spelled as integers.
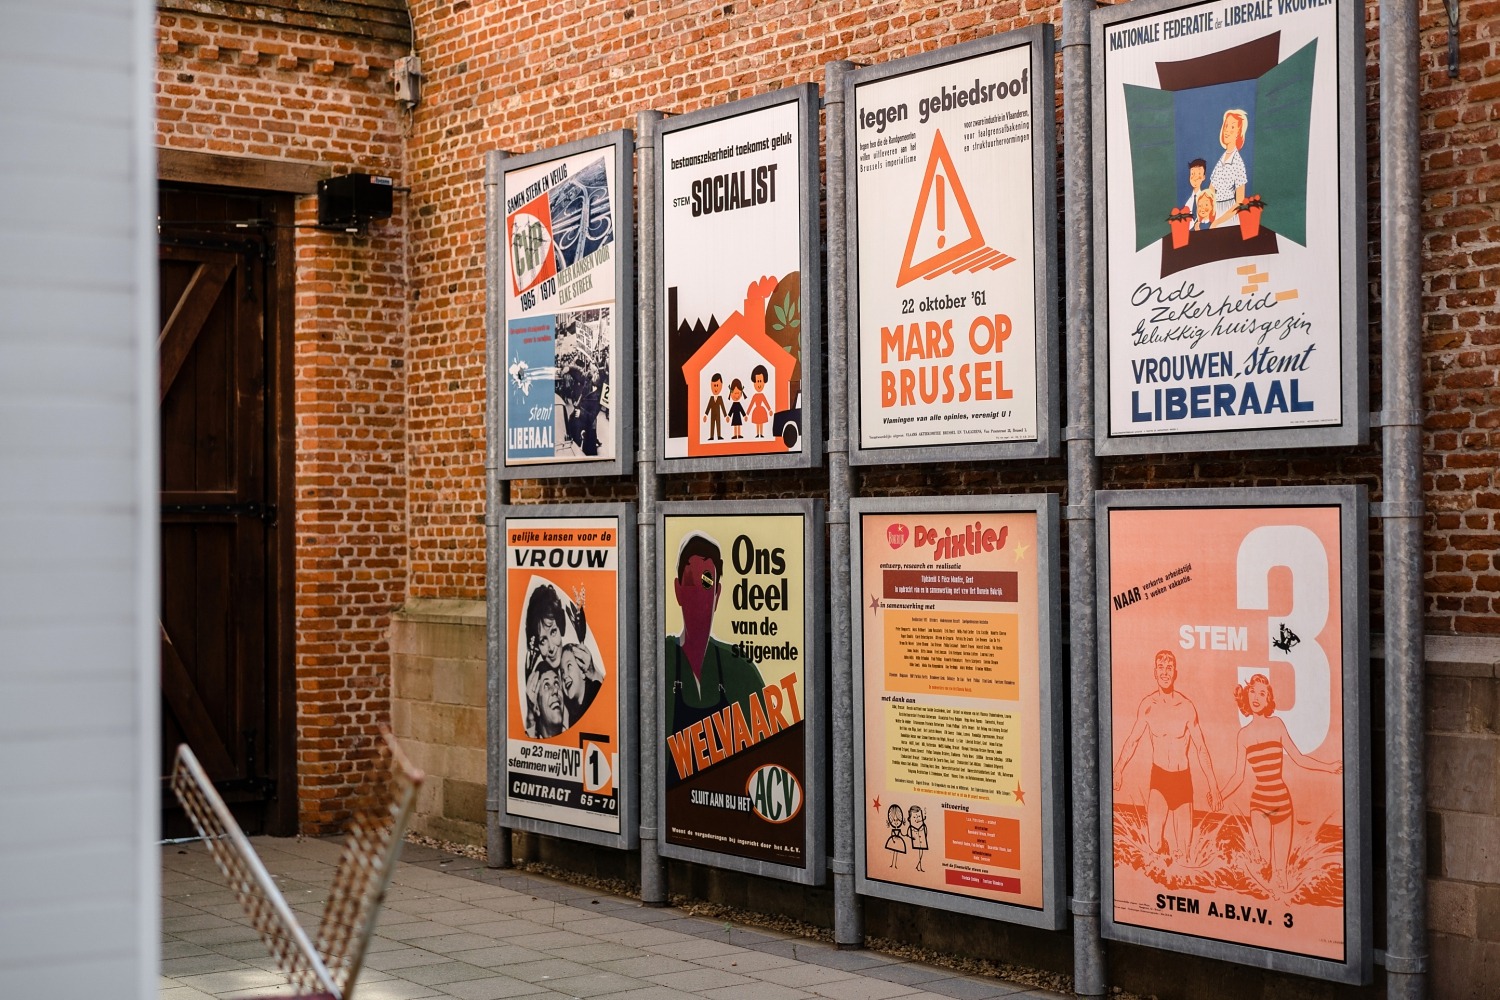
{"x": 497, "y": 838}
{"x": 848, "y": 918}
{"x": 1083, "y": 476}
{"x": 1401, "y": 478}
{"x": 653, "y": 873}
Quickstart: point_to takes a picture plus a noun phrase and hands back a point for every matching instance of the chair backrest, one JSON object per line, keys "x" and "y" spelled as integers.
{"x": 364, "y": 870}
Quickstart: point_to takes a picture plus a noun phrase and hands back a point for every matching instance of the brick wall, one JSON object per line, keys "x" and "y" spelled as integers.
{"x": 264, "y": 92}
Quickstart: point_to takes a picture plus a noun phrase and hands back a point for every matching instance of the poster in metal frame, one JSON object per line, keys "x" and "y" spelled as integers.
{"x": 746, "y": 745}
{"x": 965, "y": 271}
{"x": 1021, "y": 532}
{"x": 739, "y": 268}
{"x": 1243, "y": 314}
{"x": 1227, "y": 600}
{"x": 561, "y": 550}
{"x": 561, "y": 284}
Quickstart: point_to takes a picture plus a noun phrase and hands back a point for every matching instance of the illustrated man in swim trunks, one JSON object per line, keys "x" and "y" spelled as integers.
{"x": 1171, "y": 721}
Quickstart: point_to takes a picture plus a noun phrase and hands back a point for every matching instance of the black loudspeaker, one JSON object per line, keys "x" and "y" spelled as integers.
{"x": 350, "y": 201}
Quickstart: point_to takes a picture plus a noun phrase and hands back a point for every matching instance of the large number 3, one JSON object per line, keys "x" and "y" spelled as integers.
{"x": 1301, "y": 551}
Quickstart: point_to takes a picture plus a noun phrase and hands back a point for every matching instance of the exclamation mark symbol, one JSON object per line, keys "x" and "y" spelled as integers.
{"x": 941, "y": 201}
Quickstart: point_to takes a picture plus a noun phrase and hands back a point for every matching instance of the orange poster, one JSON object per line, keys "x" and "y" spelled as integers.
{"x": 563, "y": 695}
{"x": 1226, "y": 726}
{"x": 952, "y": 705}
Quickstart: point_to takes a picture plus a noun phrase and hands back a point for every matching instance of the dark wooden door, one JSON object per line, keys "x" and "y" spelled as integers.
{"x": 221, "y": 655}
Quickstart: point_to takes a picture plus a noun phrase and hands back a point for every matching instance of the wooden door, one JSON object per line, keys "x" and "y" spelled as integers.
{"x": 223, "y": 676}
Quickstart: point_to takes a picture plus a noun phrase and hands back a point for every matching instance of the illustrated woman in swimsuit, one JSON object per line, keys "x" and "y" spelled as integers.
{"x": 1263, "y": 742}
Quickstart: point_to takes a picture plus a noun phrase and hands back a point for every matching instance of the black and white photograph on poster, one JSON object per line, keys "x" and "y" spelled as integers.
{"x": 740, "y": 284}
{"x": 1229, "y": 226}
{"x": 950, "y": 167}
{"x": 565, "y": 243}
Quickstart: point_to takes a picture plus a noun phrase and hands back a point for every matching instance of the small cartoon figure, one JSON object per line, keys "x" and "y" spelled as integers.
{"x": 736, "y": 408}
{"x": 715, "y": 412}
{"x": 760, "y": 410}
{"x": 1197, "y": 170}
{"x": 895, "y": 843}
{"x": 916, "y": 828}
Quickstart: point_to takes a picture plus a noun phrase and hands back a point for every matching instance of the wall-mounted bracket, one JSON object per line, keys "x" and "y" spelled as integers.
{"x": 1453, "y": 39}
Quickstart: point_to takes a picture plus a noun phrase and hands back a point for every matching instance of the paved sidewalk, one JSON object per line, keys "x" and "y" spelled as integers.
{"x": 452, "y": 928}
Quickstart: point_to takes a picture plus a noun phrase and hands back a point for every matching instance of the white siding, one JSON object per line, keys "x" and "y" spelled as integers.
{"x": 78, "y": 551}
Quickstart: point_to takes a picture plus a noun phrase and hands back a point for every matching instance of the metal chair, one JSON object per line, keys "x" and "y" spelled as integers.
{"x": 327, "y": 966}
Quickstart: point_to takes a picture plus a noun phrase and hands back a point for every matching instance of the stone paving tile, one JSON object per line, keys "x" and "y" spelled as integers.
{"x": 652, "y": 993}
{"x": 198, "y": 965}
{"x": 646, "y": 965}
{"x": 742, "y": 962}
{"x": 862, "y": 988}
{"x": 504, "y": 928}
{"x": 396, "y": 989}
{"x": 447, "y": 944}
{"x": 700, "y": 979}
{"x": 551, "y": 940}
{"x": 762, "y": 991}
{"x": 221, "y": 935}
{"x": 597, "y": 984}
{"x": 199, "y": 921}
{"x": 284, "y": 990}
{"x": 416, "y": 931}
{"x": 969, "y": 988}
{"x": 498, "y": 953}
{"x": 603, "y": 951}
{"x": 493, "y": 988}
{"x": 445, "y": 972}
{"x": 696, "y": 926}
{"x": 418, "y": 904}
{"x": 184, "y": 993}
{"x": 848, "y": 960}
{"x": 910, "y": 973}
{"x": 547, "y": 971}
{"x": 457, "y": 914}
{"x": 647, "y": 937}
{"x": 177, "y": 948}
{"x": 404, "y": 958}
{"x": 235, "y": 980}
{"x": 693, "y": 948}
{"x": 802, "y": 976}
{"x": 595, "y": 924}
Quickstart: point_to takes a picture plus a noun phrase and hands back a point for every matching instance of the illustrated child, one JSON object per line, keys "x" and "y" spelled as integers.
{"x": 895, "y": 843}
{"x": 916, "y": 828}
{"x": 1262, "y": 744}
{"x": 1197, "y": 170}
{"x": 736, "y": 408}
{"x": 715, "y": 412}
{"x": 760, "y": 410}
{"x": 1204, "y": 217}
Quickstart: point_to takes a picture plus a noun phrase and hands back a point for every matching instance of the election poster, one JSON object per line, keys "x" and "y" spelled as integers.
{"x": 1229, "y": 227}
{"x": 957, "y": 689}
{"x": 1233, "y": 731}
{"x": 566, "y": 671}
{"x": 950, "y": 164}
{"x": 740, "y": 284}
{"x": 567, "y": 307}
{"x": 742, "y": 704}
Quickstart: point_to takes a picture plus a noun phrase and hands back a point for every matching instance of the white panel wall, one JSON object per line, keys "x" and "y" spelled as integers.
{"x": 78, "y": 552}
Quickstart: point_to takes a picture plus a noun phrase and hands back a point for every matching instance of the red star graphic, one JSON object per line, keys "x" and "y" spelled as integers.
{"x": 874, "y": 603}
{"x": 1020, "y": 795}
{"x": 876, "y": 806}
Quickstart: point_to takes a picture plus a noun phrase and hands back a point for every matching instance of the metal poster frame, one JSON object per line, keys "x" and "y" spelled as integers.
{"x": 627, "y": 771}
{"x": 1353, "y": 424}
{"x": 809, "y": 423}
{"x": 1355, "y": 685}
{"x": 1039, "y": 38}
{"x": 1052, "y": 683}
{"x": 815, "y": 711}
{"x": 620, "y": 146}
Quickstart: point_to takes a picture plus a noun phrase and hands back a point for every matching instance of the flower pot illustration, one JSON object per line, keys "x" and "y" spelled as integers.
{"x": 1248, "y": 214}
{"x": 1182, "y": 224}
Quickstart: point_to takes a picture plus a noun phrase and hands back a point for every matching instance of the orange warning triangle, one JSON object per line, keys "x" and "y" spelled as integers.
{"x": 940, "y": 178}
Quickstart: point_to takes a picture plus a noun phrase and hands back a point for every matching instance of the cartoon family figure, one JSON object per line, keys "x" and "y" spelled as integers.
{"x": 562, "y": 678}
{"x": 1217, "y": 203}
{"x": 1170, "y": 719}
{"x": 758, "y": 412}
{"x": 915, "y": 822}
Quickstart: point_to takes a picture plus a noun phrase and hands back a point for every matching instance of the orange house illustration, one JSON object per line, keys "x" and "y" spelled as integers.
{"x": 735, "y": 348}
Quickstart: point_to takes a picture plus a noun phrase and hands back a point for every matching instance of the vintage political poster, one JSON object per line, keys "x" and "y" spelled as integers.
{"x": 740, "y": 284}
{"x": 741, "y": 701}
{"x": 567, "y": 307}
{"x": 1233, "y": 717}
{"x": 1230, "y": 224}
{"x": 950, "y": 161}
{"x": 567, "y": 695}
{"x": 955, "y": 718}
